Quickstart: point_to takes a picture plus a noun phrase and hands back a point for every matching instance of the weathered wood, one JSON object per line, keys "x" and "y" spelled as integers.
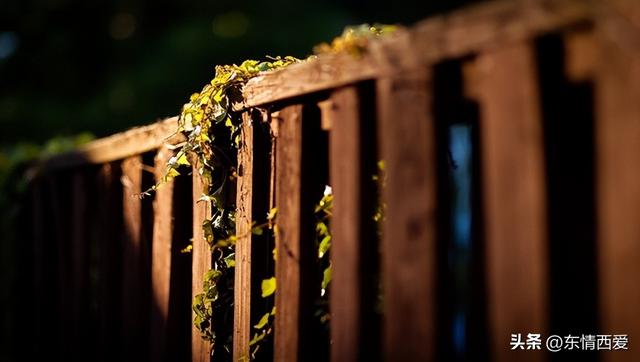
{"x": 288, "y": 202}
{"x": 244, "y": 198}
{"x": 201, "y": 261}
{"x": 458, "y": 34}
{"x": 346, "y": 224}
{"x": 514, "y": 196}
{"x": 617, "y": 125}
{"x": 133, "y": 268}
{"x": 161, "y": 257}
{"x": 407, "y": 137}
{"x": 122, "y": 145}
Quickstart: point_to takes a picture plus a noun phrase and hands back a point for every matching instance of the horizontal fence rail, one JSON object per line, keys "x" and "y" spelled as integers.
{"x": 546, "y": 93}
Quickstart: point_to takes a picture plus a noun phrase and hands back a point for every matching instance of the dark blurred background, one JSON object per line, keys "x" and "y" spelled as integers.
{"x": 71, "y": 66}
{"x": 68, "y": 66}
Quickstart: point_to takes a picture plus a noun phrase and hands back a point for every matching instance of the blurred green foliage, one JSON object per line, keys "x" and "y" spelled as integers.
{"x": 68, "y": 66}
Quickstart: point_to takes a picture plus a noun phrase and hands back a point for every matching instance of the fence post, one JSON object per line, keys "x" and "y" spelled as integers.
{"x": 201, "y": 261}
{"x": 513, "y": 179}
{"x": 353, "y": 243}
{"x": 242, "y": 289}
{"x": 288, "y": 185}
{"x": 407, "y": 137}
{"x": 133, "y": 251}
{"x": 617, "y": 144}
{"x": 161, "y": 257}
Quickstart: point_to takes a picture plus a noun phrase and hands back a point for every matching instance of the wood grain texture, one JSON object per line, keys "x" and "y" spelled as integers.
{"x": 201, "y": 262}
{"x": 407, "y": 137}
{"x": 244, "y": 198}
{"x": 161, "y": 257}
{"x": 288, "y": 201}
{"x": 513, "y": 179}
{"x": 617, "y": 105}
{"x": 345, "y": 169}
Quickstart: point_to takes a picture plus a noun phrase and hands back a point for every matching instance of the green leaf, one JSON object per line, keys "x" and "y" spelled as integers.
{"x": 325, "y": 244}
{"x": 263, "y": 321}
{"x": 257, "y": 230}
{"x": 326, "y": 278}
{"x": 272, "y": 213}
{"x": 321, "y": 228}
{"x": 230, "y": 260}
{"x": 257, "y": 338}
{"x": 268, "y": 287}
{"x": 182, "y": 160}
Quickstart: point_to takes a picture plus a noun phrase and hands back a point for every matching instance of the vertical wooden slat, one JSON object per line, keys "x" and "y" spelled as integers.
{"x": 161, "y": 257}
{"x": 345, "y": 165}
{"x": 288, "y": 201}
{"x": 201, "y": 259}
{"x": 132, "y": 259}
{"x": 110, "y": 213}
{"x": 79, "y": 260}
{"x": 39, "y": 235}
{"x": 407, "y": 137}
{"x": 242, "y": 291}
{"x": 59, "y": 198}
{"x": 617, "y": 93}
{"x": 513, "y": 178}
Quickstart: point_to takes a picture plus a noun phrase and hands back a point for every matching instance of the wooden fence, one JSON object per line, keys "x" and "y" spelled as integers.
{"x": 551, "y": 93}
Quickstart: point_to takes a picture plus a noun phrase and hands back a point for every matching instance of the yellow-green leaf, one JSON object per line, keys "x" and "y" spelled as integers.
{"x": 325, "y": 244}
{"x": 263, "y": 321}
{"x": 268, "y": 287}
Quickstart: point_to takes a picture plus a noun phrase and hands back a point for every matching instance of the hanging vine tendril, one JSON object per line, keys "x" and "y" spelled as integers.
{"x": 212, "y": 131}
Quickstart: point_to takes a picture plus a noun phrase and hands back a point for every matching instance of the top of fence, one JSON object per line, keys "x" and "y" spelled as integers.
{"x": 438, "y": 38}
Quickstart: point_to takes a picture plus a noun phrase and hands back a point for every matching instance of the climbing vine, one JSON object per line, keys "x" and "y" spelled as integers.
{"x": 212, "y": 131}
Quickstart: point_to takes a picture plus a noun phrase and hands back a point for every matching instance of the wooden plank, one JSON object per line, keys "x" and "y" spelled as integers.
{"x": 201, "y": 262}
{"x": 513, "y": 178}
{"x": 60, "y": 238}
{"x": 161, "y": 257}
{"x": 79, "y": 260}
{"x": 39, "y": 266}
{"x": 345, "y": 162}
{"x": 132, "y": 268}
{"x": 288, "y": 202}
{"x": 407, "y": 136}
{"x": 122, "y": 145}
{"x": 108, "y": 268}
{"x": 454, "y": 35}
{"x": 242, "y": 290}
{"x": 617, "y": 91}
